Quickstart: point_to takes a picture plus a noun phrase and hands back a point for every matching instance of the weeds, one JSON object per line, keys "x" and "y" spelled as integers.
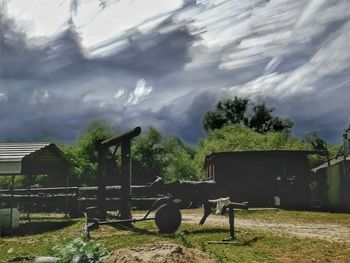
{"x": 79, "y": 251}
{"x": 184, "y": 239}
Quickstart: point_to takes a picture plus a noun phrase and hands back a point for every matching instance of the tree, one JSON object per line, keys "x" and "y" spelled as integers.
{"x": 83, "y": 155}
{"x": 236, "y": 111}
{"x": 227, "y": 112}
{"x": 262, "y": 120}
{"x": 167, "y": 157}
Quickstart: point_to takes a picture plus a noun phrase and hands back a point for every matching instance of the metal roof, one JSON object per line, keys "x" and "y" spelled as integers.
{"x": 333, "y": 162}
{"x": 16, "y": 151}
{"x": 23, "y": 158}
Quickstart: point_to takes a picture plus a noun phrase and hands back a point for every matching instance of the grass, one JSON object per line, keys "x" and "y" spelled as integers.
{"x": 38, "y": 238}
{"x": 296, "y": 216}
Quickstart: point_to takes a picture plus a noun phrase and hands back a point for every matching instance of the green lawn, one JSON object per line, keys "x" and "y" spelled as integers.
{"x": 38, "y": 237}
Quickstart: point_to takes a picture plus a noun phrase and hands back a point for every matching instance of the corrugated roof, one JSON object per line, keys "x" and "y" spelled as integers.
{"x": 17, "y": 151}
{"x": 33, "y": 158}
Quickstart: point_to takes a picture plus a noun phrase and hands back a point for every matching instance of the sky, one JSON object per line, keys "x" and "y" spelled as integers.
{"x": 165, "y": 63}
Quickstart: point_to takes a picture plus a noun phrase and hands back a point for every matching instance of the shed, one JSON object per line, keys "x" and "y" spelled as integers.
{"x": 30, "y": 159}
{"x": 263, "y": 178}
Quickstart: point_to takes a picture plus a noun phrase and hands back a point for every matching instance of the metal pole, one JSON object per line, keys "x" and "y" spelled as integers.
{"x": 125, "y": 208}
{"x": 101, "y": 192}
{"x": 11, "y": 203}
{"x": 29, "y": 193}
{"x": 67, "y": 201}
{"x": 232, "y": 222}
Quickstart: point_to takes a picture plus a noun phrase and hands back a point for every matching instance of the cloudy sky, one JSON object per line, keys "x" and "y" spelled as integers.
{"x": 164, "y": 63}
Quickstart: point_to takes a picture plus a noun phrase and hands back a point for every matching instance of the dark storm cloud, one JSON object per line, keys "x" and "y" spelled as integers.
{"x": 291, "y": 54}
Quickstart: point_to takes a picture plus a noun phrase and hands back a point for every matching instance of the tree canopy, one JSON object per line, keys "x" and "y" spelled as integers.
{"x": 168, "y": 156}
{"x": 83, "y": 155}
{"x": 242, "y": 111}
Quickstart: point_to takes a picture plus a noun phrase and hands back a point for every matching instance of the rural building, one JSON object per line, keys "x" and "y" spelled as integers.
{"x": 263, "y": 178}
{"x": 29, "y": 160}
{"x": 33, "y": 159}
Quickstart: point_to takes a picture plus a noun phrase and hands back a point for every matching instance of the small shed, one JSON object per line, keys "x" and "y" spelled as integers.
{"x": 263, "y": 178}
{"x": 30, "y": 159}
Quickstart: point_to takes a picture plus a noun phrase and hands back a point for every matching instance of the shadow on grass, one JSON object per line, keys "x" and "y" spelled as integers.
{"x": 206, "y": 231}
{"x": 139, "y": 230}
{"x": 32, "y": 228}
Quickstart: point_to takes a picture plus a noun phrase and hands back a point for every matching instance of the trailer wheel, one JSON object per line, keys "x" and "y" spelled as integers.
{"x": 168, "y": 218}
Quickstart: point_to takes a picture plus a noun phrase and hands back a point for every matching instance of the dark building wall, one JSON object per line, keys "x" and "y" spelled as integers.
{"x": 333, "y": 187}
{"x": 258, "y": 177}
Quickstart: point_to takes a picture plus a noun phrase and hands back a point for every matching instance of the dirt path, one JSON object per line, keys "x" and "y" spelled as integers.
{"x": 329, "y": 232}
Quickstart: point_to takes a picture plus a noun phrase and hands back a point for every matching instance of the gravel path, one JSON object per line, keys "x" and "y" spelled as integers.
{"x": 329, "y": 232}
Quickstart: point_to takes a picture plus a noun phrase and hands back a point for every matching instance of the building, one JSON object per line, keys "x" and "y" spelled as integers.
{"x": 263, "y": 178}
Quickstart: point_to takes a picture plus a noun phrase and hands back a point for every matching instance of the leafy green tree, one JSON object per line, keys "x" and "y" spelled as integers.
{"x": 226, "y": 112}
{"x": 168, "y": 157}
{"x": 236, "y": 111}
{"x": 83, "y": 155}
{"x": 262, "y": 120}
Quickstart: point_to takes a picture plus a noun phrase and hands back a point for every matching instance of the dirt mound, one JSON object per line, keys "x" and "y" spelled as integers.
{"x": 160, "y": 252}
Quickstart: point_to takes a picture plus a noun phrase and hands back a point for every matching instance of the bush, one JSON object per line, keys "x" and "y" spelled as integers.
{"x": 79, "y": 251}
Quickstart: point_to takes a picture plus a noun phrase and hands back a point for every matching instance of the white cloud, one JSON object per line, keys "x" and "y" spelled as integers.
{"x": 3, "y": 97}
{"x": 40, "y": 97}
{"x": 95, "y": 28}
{"x": 40, "y": 18}
{"x": 119, "y": 93}
{"x": 139, "y": 93}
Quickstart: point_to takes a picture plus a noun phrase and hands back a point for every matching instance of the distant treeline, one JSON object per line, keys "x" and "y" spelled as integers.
{"x": 233, "y": 125}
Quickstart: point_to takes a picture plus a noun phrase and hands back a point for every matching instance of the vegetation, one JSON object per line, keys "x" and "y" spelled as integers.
{"x": 235, "y": 125}
{"x": 83, "y": 155}
{"x": 157, "y": 154}
{"x": 79, "y": 251}
{"x": 318, "y": 144}
{"x": 168, "y": 156}
{"x": 257, "y": 117}
{"x": 253, "y": 245}
{"x": 240, "y": 138}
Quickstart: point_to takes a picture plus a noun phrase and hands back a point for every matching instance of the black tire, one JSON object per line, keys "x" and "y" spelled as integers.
{"x": 168, "y": 218}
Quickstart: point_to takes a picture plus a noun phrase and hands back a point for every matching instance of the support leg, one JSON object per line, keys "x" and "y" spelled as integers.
{"x": 232, "y": 222}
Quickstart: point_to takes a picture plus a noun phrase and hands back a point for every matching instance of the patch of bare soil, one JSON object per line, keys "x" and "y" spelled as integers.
{"x": 328, "y": 232}
{"x": 164, "y": 252}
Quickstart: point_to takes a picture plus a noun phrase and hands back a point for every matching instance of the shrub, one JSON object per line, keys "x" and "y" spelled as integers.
{"x": 79, "y": 251}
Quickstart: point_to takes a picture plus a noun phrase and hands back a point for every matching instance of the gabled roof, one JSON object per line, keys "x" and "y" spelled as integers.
{"x": 30, "y": 158}
{"x": 17, "y": 151}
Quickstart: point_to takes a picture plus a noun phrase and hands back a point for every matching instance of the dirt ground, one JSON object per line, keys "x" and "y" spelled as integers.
{"x": 329, "y": 232}
{"x": 160, "y": 252}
